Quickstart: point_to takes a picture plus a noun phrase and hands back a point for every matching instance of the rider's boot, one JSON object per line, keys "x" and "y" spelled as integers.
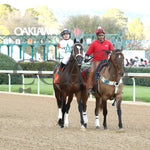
{"x": 90, "y": 84}
{"x": 57, "y": 75}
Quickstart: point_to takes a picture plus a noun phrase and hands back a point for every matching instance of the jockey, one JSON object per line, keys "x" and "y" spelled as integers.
{"x": 64, "y": 48}
{"x": 100, "y": 49}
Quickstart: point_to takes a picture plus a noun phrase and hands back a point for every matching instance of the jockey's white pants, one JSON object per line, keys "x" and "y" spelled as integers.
{"x": 66, "y": 58}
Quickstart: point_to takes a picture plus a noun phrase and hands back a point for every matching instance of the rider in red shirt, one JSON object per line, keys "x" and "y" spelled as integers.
{"x": 100, "y": 49}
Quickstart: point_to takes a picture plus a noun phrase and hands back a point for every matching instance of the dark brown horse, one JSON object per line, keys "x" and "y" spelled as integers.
{"x": 71, "y": 82}
{"x": 108, "y": 86}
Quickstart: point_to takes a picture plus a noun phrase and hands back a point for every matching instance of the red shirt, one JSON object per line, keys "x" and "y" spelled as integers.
{"x": 96, "y": 48}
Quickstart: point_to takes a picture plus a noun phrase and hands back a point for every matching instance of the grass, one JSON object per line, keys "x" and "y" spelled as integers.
{"x": 142, "y": 92}
{"x": 31, "y": 86}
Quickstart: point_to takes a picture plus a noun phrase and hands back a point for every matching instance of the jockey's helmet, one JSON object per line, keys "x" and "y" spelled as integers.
{"x": 65, "y": 31}
{"x": 100, "y": 30}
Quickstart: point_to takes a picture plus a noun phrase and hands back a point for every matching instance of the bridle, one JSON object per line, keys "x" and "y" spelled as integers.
{"x": 79, "y": 55}
{"x": 117, "y": 65}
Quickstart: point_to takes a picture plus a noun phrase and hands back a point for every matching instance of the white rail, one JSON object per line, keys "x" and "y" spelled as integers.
{"x": 37, "y": 73}
{"x": 23, "y": 72}
{"x": 136, "y": 75}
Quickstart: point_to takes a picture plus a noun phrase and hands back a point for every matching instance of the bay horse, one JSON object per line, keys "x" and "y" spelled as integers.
{"x": 71, "y": 82}
{"x": 108, "y": 86}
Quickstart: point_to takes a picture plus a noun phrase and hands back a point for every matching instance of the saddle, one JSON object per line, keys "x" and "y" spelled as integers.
{"x": 86, "y": 71}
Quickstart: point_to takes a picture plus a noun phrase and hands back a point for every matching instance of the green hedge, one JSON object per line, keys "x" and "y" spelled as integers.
{"x": 138, "y": 81}
{"x": 39, "y": 66}
{"x": 49, "y": 66}
{"x": 7, "y": 63}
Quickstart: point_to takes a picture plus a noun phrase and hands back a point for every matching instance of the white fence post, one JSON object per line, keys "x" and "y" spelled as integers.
{"x": 9, "y": 82}
{"x": 38, "y": 84}
{"x": 133, "y": 89}
{"x": 23, "y": 83}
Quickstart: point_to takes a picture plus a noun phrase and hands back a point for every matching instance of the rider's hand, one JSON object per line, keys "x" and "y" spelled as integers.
{"x": 86, "y": 60}
{"x": 108, "y": 51}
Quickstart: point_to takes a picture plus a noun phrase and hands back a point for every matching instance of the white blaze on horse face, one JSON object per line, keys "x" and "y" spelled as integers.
{"x": 119, "y": 56}
{"x": 78, "y": 47}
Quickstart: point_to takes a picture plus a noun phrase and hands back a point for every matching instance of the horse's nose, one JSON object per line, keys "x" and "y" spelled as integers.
{"x": 79, "y": 60}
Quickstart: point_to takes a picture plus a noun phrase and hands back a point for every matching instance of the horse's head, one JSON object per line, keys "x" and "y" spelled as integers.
{"x": 117, "y": 58}
{"x": 77, "y": 51}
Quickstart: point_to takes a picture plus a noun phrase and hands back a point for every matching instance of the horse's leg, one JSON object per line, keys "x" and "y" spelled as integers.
{"x": 118, "y": 105}
{"x": 105, "y": 113}
{"x": 80, "y": 108}
{"x": 70, "y": 97}
{"x": 97, "y": 113}
{"x": 63, "y": 110}
{"x": 84, "y": 102}
{"x": 59, "y": 104}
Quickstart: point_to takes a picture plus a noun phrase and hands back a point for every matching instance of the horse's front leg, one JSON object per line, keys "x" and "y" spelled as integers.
{"x": 80, "y": 108}
{"x": 118, "y": 105}
{"x": 97, "y": 124}
{"x": 59, "y": 104}
{"x": 70, "y": 97}
{"x": 84, "y": 98}
{"x": 63, "y": 110}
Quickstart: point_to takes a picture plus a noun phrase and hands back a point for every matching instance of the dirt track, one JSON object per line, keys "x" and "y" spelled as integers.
{"x": 29, "y": 123}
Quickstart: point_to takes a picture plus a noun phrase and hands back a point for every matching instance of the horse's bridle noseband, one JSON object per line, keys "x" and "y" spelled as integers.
{"x": 79, "y": 54}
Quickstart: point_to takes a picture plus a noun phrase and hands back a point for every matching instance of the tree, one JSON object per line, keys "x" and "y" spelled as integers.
{"x": 5, "y": 9}
{"x": 15, "y": 19}
{"x": 47, "y": 18}
{"x": 31, "y": 12}
{"x": 119, "y": 18}
{"x": 86, "y": 24}
{"x": 135, "y": 30}
{"x": 110, "y": 26}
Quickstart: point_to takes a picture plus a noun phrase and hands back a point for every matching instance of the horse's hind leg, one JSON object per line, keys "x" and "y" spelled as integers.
{"x": 97, "y": 124}
{"x": 70, "y": 97}
{"x": 104, "y": 114}
{"x": 118, "y": 105}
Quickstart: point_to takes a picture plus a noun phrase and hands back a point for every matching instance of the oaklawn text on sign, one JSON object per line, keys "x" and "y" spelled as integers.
{"x": 34, "y": 31}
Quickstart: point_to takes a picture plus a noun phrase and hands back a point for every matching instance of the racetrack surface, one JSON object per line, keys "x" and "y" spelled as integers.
{"x": 29, "y": 123}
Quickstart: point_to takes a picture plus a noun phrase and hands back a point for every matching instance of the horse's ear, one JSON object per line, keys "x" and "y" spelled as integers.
{"x": 75, "y": 40}
{"x": 81, "y": 41}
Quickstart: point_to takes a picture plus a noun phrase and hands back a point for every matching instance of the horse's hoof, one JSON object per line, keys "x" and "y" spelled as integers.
{"x": 66, "y": 125}
{"x": 59, "y": 122}
{"x": 97, "y": 127}
{"x": 83, "y": 128}
{"x": 121, "y": 130}
{"x": 85, "y": 125}
{"x": 105, "y": 128}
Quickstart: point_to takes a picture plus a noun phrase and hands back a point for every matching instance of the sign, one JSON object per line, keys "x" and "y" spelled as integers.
{"x": 77, "y": 31}
{"x": 88, "y": 40}
{"x": 17, "y": 41}
{"x": 35, "y": 31}
{"x": 29, "y": 41}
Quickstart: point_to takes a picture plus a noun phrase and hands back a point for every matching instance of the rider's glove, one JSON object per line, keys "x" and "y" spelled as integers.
{"x": 86, "y": 60}
{"x": 108, "y": 51}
